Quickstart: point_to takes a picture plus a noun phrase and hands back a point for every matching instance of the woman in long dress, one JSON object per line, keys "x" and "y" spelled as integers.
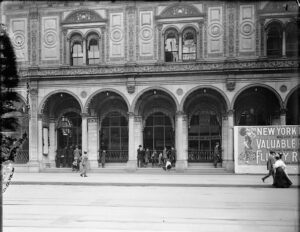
{"x": 281, "y": 179}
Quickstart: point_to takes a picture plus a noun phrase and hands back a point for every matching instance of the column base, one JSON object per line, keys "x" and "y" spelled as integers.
{"x": 181, "y": 165}
{"x": 228, "y": 165}
{"x": 131, "y": 165}
{"x": 33, "y": 166}
{"x": 93, "y": 164}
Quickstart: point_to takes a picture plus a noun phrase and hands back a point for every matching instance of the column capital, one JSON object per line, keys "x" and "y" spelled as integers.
{"x": 159, "y": 26}
{"x": 230, "y": 113}
{"x": 40, "y": 116}
{"x": 180, "y": 113}
{"x": 130, "y": 114}
{"x": 283, "y": 111}
{"x": 84, "y": 115}
{"x": 92, "y": 119}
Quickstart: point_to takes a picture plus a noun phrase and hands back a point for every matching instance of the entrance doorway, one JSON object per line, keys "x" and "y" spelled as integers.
{"x": 158, "y": 132}
{"x": 204, "y": 133}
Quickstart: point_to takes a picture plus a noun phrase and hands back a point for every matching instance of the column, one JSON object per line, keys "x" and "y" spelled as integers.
{"x": 283, "y": 43}
{"x": 52, "y": 143}
{"x": 84, "y": 51}
{"x": 84, "y": 133}
{"x": 224, "y": 142}
{"x": 33, "y": 130}
{"x": 180, "y": 47}
{"x": 92, "y": 142}
{"x": 40, "y": 141}
{"x": 160, "y": 46}
{"x": 181, "y": 140}
{"x": 230, "y": 156}
{"x": 132, "y": 156}
{"x": 282, "y": 116}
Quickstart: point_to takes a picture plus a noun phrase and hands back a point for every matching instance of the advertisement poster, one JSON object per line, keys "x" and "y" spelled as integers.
{"x": 254, "y": 143}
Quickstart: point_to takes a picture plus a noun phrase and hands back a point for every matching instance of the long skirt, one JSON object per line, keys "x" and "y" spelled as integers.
{"x": 281, "y": 180}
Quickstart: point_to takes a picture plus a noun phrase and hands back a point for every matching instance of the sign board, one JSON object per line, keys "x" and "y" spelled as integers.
{"x": 252, "y": 146}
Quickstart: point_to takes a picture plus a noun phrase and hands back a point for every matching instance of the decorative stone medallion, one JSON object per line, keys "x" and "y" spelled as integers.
{"x": 19, "y": 39}
{"x": 83, "y": 94}
{"x": 146, "y": 33}
{"x": 179, "y": 91}
{"x": 247, "y": 28}
{"x": 215, "y": 30}
{"x": 50, "y": 38}
{"x": 283, "y": 88}
{"x": 116, "y": 35}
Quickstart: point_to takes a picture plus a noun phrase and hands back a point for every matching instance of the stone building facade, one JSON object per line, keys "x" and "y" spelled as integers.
{"x": 114, "y": 75}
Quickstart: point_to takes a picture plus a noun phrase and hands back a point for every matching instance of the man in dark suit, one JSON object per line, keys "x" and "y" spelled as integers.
{"x": 270, "y": 162}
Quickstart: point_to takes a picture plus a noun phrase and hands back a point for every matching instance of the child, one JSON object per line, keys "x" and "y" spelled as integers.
{"x": 75, "y": 166}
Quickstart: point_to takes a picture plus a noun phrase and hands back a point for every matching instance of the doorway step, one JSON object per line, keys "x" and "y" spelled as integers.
{"x": 206, "y": 168}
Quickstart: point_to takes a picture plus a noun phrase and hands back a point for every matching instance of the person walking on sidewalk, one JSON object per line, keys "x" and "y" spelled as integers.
{"x": 140, "y": 156}
{"x": 217, "y": 154}
{"x": 270, "y": 163}
{"x": 84, "y": 162}
{"x": 103, "y": 155}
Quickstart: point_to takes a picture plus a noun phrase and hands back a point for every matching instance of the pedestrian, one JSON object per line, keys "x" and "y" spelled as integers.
{"x": 168, "y": 165}
{"x": 165, "y": 155}
{"x": 84, "y": 163}
{"x": 281, "y": 179}
{"x": 270, "y": 163}
{"x": 147, "y": 156}
{"x": 173, "y": 156}
{"x": 77, "y": 155}
{"x": 160, "y": 161}
{"x": 103, "y": 155}
{"x": 140, "y": 156}
{"x": 217, "y": 154}
{"x": 153, "y": 157}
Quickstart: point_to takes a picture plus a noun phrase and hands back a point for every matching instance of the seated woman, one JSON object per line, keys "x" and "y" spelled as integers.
{"x": 281, "y": 179}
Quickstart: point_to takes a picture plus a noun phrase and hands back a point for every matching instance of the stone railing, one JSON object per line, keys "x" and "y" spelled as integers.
{"x": 162, "y": 68}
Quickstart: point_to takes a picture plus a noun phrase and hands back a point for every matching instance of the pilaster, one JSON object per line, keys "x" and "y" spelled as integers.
{"x": 92, "y": 142}
{"x": 181, "y": 139}
{"x": 84, "y": 132}
{"x": 52, "y": 143}
{"x": 33, "y": 129}
{"x": 229, "y": 163}
{"x": 132, "y": 156}
{"x": 283, "y": 117}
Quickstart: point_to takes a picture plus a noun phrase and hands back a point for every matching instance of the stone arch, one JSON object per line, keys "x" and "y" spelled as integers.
{"x": 179, "y": 10}
{"x": 189, "y": 26}
{"x": 274, "y": 21}
{"x": 91, "y": 31}
{"x": 74, "y": 32}
{"x": 44, "y": 100}
{"x": 225, "y": 98}
{"x": 170, "y": 27}
{"x": 161, "y": 110}
{"x": 137, "y": 97}
{"x": 83, "y": 16}
{"x": 86, "y": 106}
{"x": 292, "y": 91}
{"x": 256, "y": 85}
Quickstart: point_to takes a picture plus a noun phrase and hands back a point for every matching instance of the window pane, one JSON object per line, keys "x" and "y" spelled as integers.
{"x": 115, "y": 138}
{"x": 189, "y": 45}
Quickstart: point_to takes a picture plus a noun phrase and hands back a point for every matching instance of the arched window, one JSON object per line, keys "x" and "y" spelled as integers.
{"x": 93, "y": 56}
{"x": 171, "y": 45}
{"x": 292, "y": 38}
{"x": 189, "y": 44}
{"x": 76, "y": 50}
{"x": 274, "y": 39}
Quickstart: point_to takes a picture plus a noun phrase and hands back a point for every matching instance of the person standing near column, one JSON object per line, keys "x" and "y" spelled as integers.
{"x": 217, "y": 154}
{"x": 270, "y": 163}
{"x": 139, "y": 156}
{"x": 103, "y": 155}
{"x": 84, "y": 163}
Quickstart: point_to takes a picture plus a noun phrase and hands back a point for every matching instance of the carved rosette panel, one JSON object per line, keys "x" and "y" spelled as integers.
{"x": 50, "y": 38}
{"x": 116, "y": 35}
{"x": 247, "y": 29}
{"x": 215, "y": 30}
{"x": 146, "y": 34}
{"x": 19, "y": 38}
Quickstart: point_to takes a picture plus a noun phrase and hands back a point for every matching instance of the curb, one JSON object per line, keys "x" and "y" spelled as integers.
{"x": 145, "y": 184}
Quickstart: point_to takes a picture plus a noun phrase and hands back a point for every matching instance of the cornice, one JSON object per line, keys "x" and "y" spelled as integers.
{"x": 260, "y": 65}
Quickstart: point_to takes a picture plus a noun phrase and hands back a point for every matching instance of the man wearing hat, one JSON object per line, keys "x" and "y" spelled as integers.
{"x": 270, "y": 162}
{"x": 140, "y": 156}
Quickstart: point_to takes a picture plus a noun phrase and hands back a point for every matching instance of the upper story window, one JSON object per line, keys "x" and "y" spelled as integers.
{"x": 187, "y": 50}
{"x": 93, "y": 55}
{"x": 171, "y": 45}
{"x": 76, "y": 50}
{"x": 292, "y": 38}
{"x": 274, "y": 39}
{"x": 189, "y": 44}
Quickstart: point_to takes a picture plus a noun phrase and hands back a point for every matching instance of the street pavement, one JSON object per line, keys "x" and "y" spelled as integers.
{"x": 163, "y": 178}
{"x": 133, "y": 208}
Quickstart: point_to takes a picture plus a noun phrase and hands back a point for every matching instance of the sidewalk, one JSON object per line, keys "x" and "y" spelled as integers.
{"x": 144, "y": 179}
